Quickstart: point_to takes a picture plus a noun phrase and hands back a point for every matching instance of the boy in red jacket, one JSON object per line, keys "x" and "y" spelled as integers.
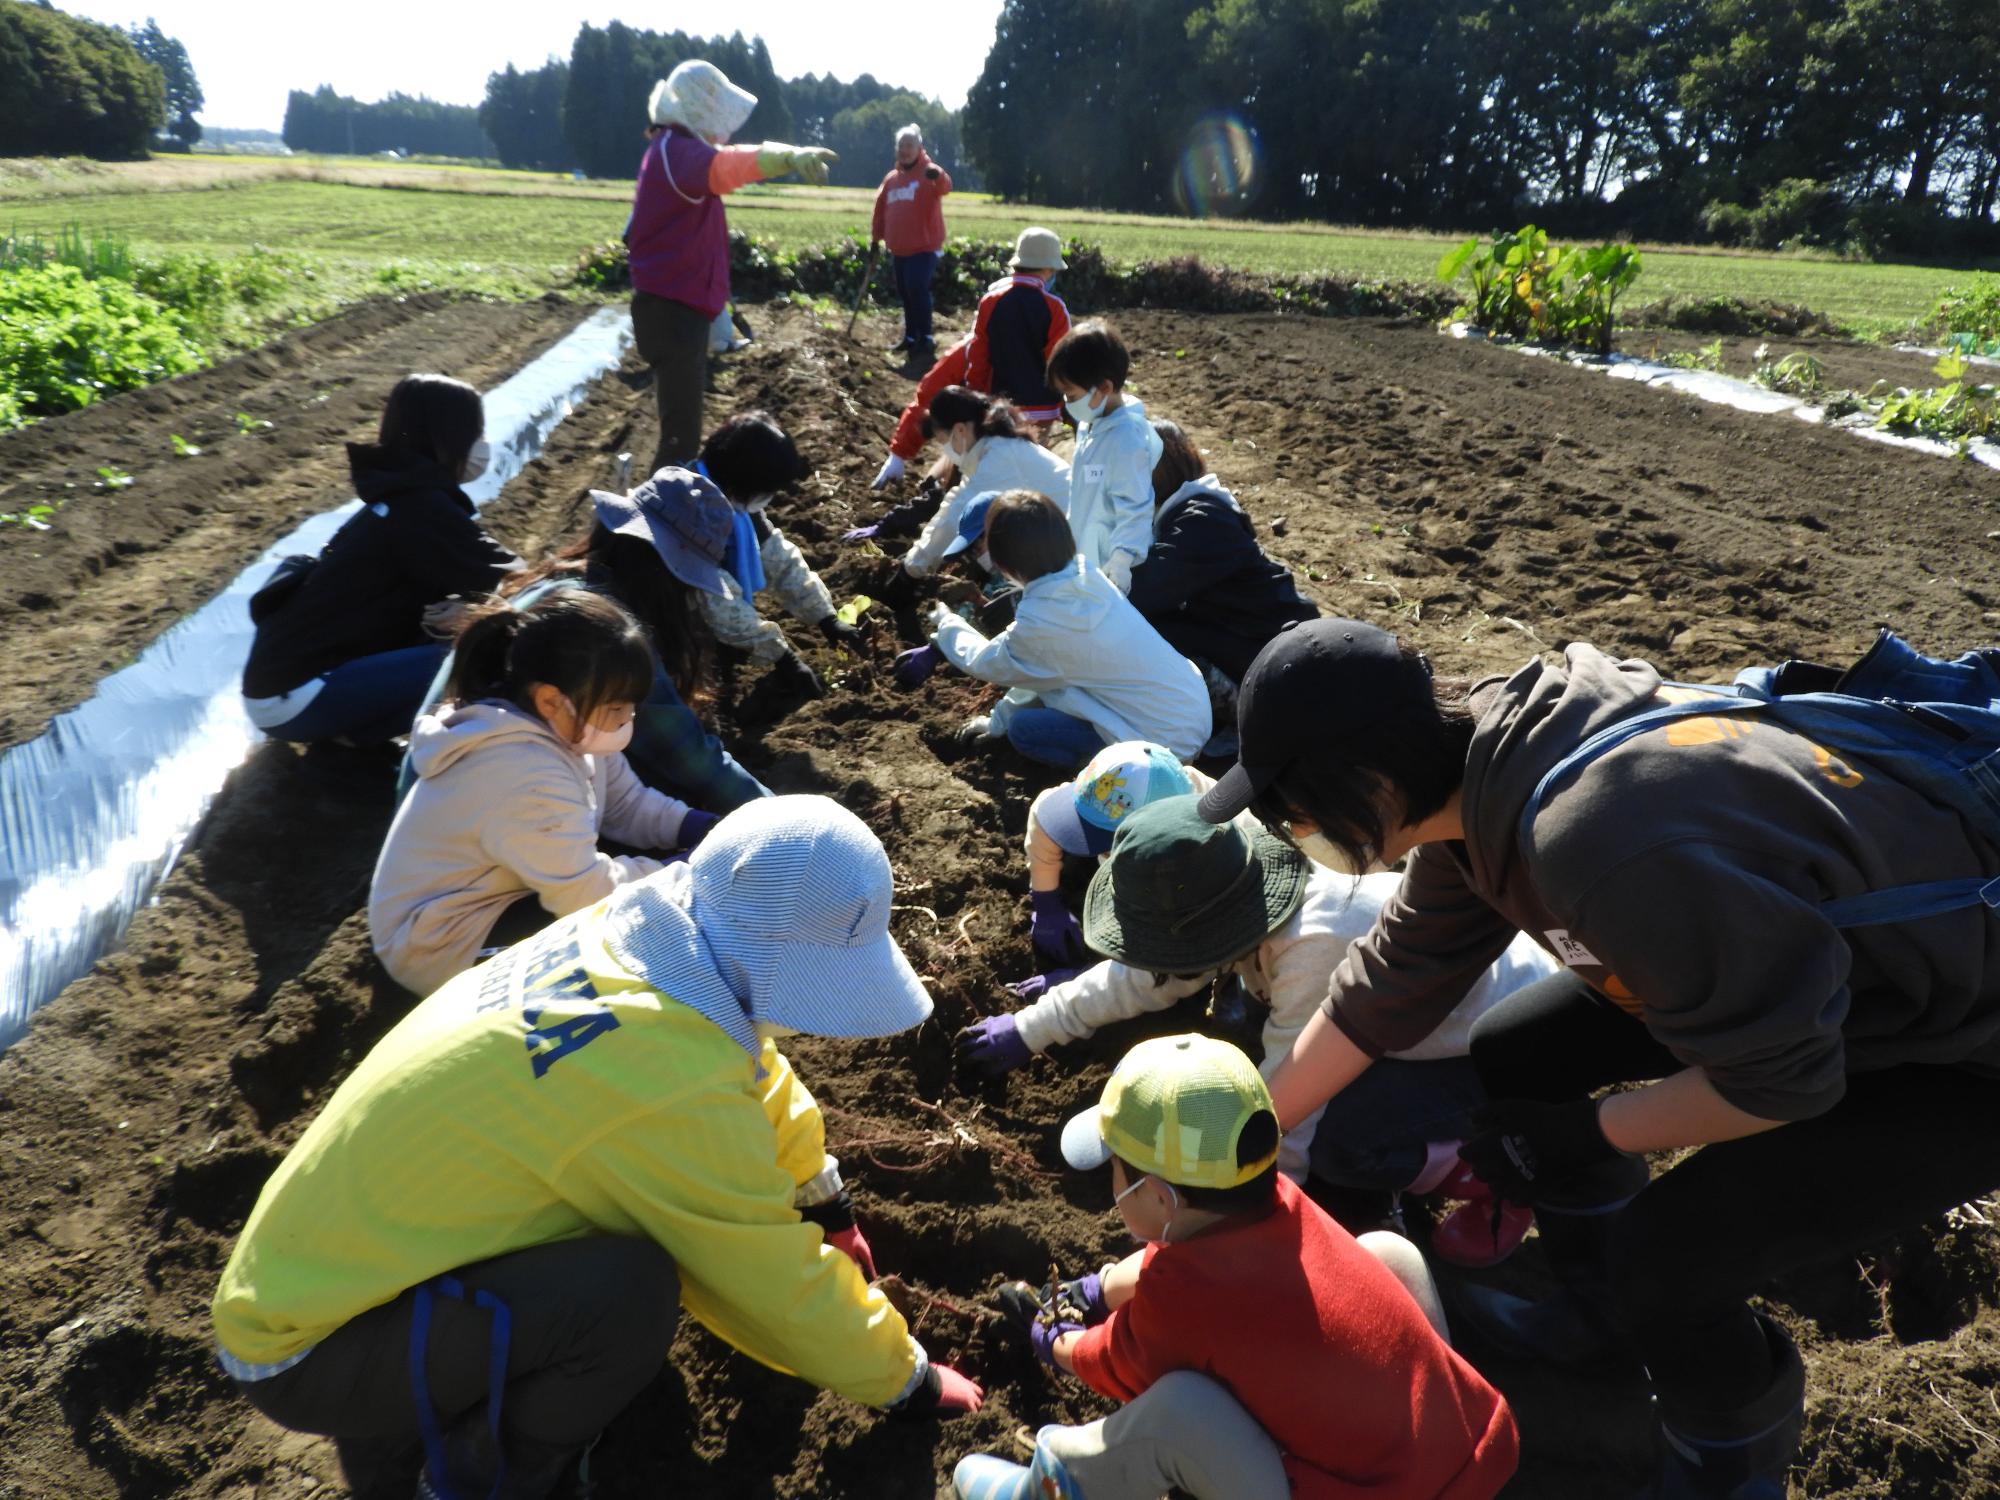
{"x": 909, "y": 218}
{"x": 1262, "y": 1352}
{"x": 1020, "y": 323}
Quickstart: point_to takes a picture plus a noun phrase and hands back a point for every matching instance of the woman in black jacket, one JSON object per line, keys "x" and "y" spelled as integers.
{"x": 1206, "y": 585}
{"x": 342, "y": 651}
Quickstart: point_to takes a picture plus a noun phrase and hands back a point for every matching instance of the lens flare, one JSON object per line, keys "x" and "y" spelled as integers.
{"x": 1219, "y": 167}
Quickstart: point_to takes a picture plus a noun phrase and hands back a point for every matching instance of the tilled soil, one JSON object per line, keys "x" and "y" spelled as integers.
{"x": 1484, "y": 504}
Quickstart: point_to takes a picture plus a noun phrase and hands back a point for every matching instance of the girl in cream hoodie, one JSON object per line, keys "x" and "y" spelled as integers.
{"x": 518, "y": 775}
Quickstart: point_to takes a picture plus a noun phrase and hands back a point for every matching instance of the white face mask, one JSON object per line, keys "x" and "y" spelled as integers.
{"x": 595, "y": 741}
{"x": 1166, "y": 1229}
{"x": 1321, "y": 850}
{"x": 755, "y": 505}
{"x": 1082, "y": 409}
{"x": 475, "y": 462}
{"x": 986, "y": 561}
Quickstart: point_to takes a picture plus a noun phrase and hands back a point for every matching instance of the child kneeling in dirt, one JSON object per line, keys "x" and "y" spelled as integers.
{"x": 1181, "y": 904}
{"x": 1111, "y": 473}
{"x": 1082, "y": 667}
{"x": 992, "y": 450}
{"x": 1262, "y": 1352}
{"x": 750, "y": 458}
{"x": 516, "y": 782}
{"x": 549, "y": 1158}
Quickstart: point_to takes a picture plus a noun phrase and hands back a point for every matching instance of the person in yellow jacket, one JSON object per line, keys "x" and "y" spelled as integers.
{"x": 526, "y": 1180}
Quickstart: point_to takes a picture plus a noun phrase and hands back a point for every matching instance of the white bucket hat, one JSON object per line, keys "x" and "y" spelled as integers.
{"x": 1039, "y": 250}
{"x": 700, "y": 96}
{"x": 794, "y": 892}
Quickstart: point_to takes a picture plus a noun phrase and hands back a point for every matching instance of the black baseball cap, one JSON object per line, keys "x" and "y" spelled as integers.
{"x": 1314, "y": 681}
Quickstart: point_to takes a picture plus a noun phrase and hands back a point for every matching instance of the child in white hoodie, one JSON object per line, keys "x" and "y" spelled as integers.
{"x": 1111, "y": 473}
{"x": 518, "y": 775}
{"x": 1082, "y": 666}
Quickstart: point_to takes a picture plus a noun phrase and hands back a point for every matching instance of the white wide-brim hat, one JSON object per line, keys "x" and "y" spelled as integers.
{"x": 700, "y": 96}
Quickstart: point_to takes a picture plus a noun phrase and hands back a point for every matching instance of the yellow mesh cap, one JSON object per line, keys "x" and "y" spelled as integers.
{"x": 1175, "y": 1107}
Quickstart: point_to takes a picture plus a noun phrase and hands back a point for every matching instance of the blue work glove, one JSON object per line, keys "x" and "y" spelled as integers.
{"x": 914, "y": 667}
{"x": 696, "y": 825}
{"x": 993, "y": 1046}
{"x": 1053, "y": 931}
{"x": 1085, "y": 1295}
{"x": 1037, "y": 985}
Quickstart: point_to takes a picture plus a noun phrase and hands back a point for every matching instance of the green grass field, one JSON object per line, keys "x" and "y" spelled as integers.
{"x": 349, "y": 225}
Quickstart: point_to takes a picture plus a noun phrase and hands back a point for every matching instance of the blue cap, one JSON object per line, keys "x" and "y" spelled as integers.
{"x": 972, "y": 524}
{"x": 1119, "y": 780}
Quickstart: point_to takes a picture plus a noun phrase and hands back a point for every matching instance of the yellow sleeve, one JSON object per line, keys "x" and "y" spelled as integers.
{"x": 702, "y": 1179}
{"x": 795, "y": 1116}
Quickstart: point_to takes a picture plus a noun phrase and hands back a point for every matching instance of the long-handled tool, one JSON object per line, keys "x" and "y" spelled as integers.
{"x": 867, "y": 276}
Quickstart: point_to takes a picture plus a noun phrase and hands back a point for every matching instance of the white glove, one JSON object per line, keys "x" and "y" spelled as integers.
{"x": 978, "y": 727}
{"x": 891, "y": 470}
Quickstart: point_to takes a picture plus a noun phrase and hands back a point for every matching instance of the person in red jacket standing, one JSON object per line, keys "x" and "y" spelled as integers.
{"x": 909, "y": 218}
{"x": 678, "y": 239}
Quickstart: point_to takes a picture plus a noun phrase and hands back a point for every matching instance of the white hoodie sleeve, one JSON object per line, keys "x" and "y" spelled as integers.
{"x": 927, "y": 552}
{"x": 545, "y": 831}
{"x": 635, "y": 813}
{"x": 1098, "y": 996}
{"x": 995, "y": 660}
{"x": 1128, "y": 505}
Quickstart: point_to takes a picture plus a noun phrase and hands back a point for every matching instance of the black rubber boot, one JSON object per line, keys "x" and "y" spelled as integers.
{"x": 1576, "y": 1326}
{"x": 1737, "y": 1455}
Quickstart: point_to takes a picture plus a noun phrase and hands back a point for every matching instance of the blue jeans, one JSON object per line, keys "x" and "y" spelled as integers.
{"x": 1375, "y": 1131}
{"x": 913, "y": 285}
{"x": 369, "y": 700}
{"x": 1054, "y": 738}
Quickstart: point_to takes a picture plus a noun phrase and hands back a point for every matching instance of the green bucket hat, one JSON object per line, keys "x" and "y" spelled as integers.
{"x": 1180, "y": 894}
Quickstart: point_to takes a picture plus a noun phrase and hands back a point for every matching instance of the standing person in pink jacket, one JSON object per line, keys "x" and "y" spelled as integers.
{"x": 678, "y": 237}
{"x": 909, "y": 218}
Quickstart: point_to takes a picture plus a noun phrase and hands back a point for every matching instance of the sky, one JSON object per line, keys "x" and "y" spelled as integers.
{"x": 248, "y": 58}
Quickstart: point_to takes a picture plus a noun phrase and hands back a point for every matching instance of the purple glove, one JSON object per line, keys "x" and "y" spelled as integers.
{"x": 914, "y": 667}
{"x": 862, "y": 533}
{"x": 1053, "y": 931}
{"x": 993, "y": 1046}
{"x": 1085, "y": 1294}
{"x": 1043, "y": 1337}
{"x": 1037, "y": 985}
{"x": 696, "y": 825}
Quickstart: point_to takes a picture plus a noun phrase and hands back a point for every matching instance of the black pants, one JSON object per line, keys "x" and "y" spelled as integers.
{"x": 673, "y": 338}
{"x": 1902, "y": 1146}
{"x": 592, "y": 1321}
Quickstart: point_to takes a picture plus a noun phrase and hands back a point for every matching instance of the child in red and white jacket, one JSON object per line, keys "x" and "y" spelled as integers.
{"x": 1261, "y": 1351}
{"x": 1020, "y": 322}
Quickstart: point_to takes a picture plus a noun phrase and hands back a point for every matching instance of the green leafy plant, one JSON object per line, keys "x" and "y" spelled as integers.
{"x": 66, "y": 339}
{"x": 1707, "y": 357}
{"x": 1969, "y": 315}
{"x": 247, "y": 424}
{"x": 1526, "y": 287}
{"x": 1954, "y": 411}
{"x": 1792, "y": 375}
{"x": 34, "y": 517}
{"x": 109, "y": 478}
{"x": 182, "y": 447}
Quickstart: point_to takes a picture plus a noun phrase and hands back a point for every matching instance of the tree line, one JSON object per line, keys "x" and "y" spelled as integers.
{"x": 332, "y": 122}
{"x": 588, "y": 112}
{"x": 74, "y": 87}
{"x": 1870, "y": 123}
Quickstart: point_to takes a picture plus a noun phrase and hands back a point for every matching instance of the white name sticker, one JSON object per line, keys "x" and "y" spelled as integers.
{"x": 1570, "y": 951}
{"x": 1093, "y": 473}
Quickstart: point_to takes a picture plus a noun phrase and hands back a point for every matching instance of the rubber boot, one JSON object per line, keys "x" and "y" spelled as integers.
{"x": 981, "y": 1476}
{"x": 1738, "y": 1455}
{"x": 1576, "y": 1326}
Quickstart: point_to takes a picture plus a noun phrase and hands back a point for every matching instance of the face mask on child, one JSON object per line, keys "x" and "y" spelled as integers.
{"x": 595, "y": 741}
{"x": 1082, "y": 409}
{"x": 1322, "y": 850}
{"x": 475, "y": 462}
